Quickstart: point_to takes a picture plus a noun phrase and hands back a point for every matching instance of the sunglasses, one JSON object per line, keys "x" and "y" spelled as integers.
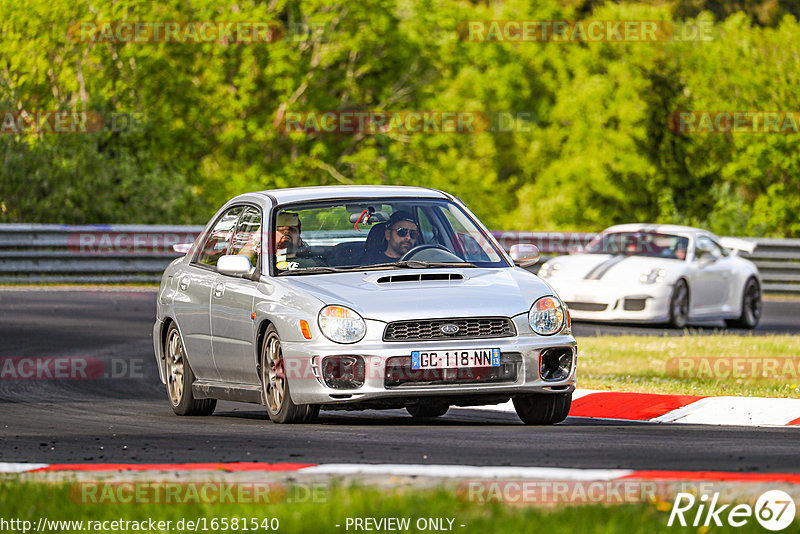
{"x": 402, "y": 232}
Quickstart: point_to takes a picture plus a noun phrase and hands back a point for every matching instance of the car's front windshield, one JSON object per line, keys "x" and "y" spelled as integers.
{"x": 651, "y": 244}
{"x": 382, "y": 233}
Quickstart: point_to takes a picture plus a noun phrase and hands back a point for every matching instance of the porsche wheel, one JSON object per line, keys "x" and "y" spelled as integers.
{"x": 179, "y": 378}
{"x": 275, "y": 385}
{"x": 427, "y": 411}
{"x": 543, "y": 408}
{"x": 751, "y": 307}
{"x": 679, "y": 305}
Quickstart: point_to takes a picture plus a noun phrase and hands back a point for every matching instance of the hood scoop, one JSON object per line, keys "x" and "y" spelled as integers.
{"x": 420, "y": 277}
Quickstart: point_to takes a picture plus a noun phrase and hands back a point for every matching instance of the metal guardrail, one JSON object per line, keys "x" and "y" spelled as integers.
{"x": 49, "y": 253}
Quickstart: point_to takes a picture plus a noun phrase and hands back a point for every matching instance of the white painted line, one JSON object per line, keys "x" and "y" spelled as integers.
{"x": 740, "y": 411}
{"x": 468, "y": 471}
{"x": 19, "y": 467}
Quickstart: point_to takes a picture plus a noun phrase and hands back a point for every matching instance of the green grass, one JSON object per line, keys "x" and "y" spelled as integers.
{"x": 640, "y": 363}
{"x": 30, "y": 501}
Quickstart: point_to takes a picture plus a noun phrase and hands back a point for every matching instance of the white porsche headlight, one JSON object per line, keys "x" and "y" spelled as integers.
{"x": 341, "y": 324}
{"x": 655, "y": 275}
{"x": 549, "y": 269}
{"x": 547, "y": 316}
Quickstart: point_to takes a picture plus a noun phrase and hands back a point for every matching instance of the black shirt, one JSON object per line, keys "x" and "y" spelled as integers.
{"x": 378, "y": 257}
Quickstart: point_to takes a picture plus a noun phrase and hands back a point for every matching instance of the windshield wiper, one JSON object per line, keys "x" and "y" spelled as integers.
{"x": 414, "y": 264}
{"x": 314, "y": 270}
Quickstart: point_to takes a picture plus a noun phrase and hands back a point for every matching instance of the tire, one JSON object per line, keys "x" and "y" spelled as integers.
{"x": 751, "y": 307}
{"x": 679, "y": 305}
{"x": 427, "y": 411}
{"x": 543, "y": 408}
{"x": 179, "y": 378}
{"x": 275, "y": 386}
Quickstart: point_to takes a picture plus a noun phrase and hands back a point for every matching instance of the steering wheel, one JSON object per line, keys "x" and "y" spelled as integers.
{"x": 448, "y": 256}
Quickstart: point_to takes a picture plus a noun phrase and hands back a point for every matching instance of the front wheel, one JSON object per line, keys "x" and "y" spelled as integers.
{"x": 180, "y": 377}
{"x": 543, "y": 408}
{"x": 275, "y": 385}
{"x": 679, "y": 305}
{"x": 751, "y": 307}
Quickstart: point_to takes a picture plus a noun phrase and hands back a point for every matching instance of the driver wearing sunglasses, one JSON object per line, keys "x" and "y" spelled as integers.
{"x": 401, "y": 236}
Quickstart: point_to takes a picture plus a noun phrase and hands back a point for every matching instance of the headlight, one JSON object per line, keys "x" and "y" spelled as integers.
{"x": 546, "y": 316}
{"x": 549, "y": 269}
{"x": 341, "y": 324}
{"x": 655, "y": 275}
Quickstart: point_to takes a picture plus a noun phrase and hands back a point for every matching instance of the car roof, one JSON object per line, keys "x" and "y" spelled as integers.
{"x": 332, "y": 192}
{"x": 659, "y": 228}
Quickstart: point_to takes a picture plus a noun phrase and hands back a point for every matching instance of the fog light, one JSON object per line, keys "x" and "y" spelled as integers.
{"x": 555, "y": 364}
{"x": 343, "y": 372}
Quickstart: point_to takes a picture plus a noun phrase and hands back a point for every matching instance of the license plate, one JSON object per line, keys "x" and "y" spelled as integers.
{"x": 454, "y": 359}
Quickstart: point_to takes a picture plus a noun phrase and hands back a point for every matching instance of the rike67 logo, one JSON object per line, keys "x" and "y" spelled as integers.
{"x": 774, "y": 510}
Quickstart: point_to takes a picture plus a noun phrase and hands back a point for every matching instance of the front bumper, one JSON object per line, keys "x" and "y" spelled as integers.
{"x": 597, "y": 301}
{"x": 303, "y": 360}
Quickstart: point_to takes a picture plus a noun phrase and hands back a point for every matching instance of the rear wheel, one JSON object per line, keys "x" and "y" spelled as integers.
{"x": 180, "y": 377}
{"x": 751, "y": 307}
{"x": 275, "y": 385}
{"x": 679, "y": 305}
{"x": 427, "y": 411}
{"x": 543, "y": 408}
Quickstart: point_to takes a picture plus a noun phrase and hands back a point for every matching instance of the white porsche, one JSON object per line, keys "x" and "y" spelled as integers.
{"x": 659, "y": 274}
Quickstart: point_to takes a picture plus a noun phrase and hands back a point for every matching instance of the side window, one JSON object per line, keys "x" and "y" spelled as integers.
{"x": 247, "y": 240}
{"x": 219, "y": 239}
{"x": 707, "y": 246}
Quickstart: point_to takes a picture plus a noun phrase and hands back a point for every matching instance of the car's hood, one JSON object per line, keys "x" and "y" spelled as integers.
{"x": 609, "y": 268}
{"x": 482, "y": 292}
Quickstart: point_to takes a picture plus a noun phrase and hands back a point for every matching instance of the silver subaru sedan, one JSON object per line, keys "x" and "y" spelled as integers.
{"x": 359, "y": 297}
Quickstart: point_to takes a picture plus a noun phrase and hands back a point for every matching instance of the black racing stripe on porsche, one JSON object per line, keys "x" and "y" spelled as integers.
{"x": 600, "y": 270}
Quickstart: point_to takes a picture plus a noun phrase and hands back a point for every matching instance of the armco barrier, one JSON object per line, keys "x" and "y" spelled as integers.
{"x": 48, "y": 253}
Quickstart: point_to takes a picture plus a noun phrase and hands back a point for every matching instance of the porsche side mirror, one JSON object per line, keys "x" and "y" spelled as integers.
{"x": 524, "y": 255}
{"x": 233, "y": 265}
{"x": 181, "y": 248}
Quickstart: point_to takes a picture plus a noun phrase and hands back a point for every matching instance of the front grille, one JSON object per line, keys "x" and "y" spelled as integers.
{"x": 586, "y": 306}
{"x": 399, "y": 373}
{"x": 469, "y": 328}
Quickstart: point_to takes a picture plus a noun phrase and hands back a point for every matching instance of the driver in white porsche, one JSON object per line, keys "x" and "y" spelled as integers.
{"x": 400, "y": 235}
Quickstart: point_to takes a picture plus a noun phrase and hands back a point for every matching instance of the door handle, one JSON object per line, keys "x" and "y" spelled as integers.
{"x": 219, "y": 289}
{"x": 184, "y": 285}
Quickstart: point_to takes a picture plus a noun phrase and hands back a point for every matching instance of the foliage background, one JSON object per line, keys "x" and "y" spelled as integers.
{"x": 595, "y": 149}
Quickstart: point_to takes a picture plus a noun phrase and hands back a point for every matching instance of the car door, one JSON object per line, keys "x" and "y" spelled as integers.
{"x": 232, "y": 299}
{"x": 192, "y": 304}
{"x": 711, "y": 288}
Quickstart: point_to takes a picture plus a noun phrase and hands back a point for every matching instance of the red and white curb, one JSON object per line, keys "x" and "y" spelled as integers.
{"x": 689, "y": 409}
{"x": 422, "y": 470}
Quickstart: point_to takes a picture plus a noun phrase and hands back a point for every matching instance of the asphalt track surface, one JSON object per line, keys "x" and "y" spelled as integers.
{"x": 127, "y": 418}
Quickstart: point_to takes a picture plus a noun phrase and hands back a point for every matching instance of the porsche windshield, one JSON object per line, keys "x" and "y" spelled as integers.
{"x": 650, "y": 244}
{"x": 334, "y": 236}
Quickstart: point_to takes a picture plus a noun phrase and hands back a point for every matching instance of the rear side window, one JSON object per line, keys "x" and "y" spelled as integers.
{"x": 220, "y": 237}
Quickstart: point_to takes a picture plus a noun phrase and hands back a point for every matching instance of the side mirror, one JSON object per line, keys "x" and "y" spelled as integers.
{"x": 233, "y": 265}
{"x": 524, "y": 255}
{"x": 182, "y": 248}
